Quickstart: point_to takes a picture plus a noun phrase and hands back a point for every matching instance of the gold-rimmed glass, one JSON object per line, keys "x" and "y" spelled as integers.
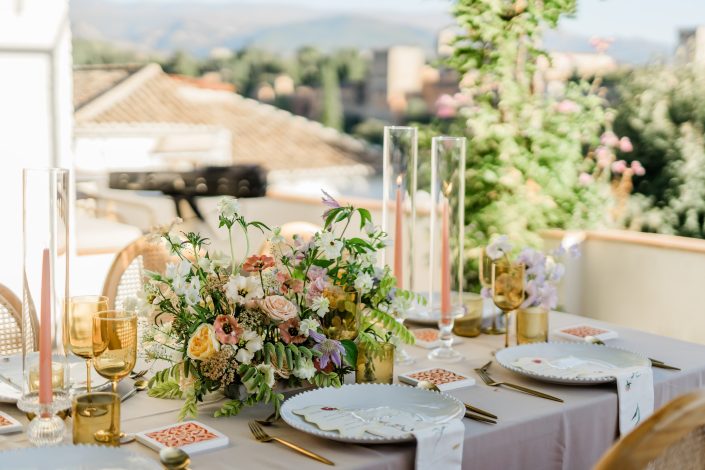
{"x": 114, "y": 344}
{"x": 96, "y": 419}
{"x": 78, "y": 327}
{"x": 507, "y": 289}
{"x": 485, "y": 275}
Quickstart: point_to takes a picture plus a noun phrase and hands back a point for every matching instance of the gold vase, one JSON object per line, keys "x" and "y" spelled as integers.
{"x": 532, "y": 325}
{"x": 343, "y": 318}
{"x": 470, "y": 322}
{"x": 375, "y": 365}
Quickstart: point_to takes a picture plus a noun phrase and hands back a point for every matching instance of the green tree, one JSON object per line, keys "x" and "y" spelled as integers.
{"x": 530, "y": 163}
{"x": 182, "y": 63}
{"x": 332, "y": 115}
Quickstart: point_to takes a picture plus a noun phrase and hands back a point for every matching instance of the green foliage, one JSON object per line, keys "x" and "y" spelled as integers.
{"x": 524, "y": 155}
{"x": 190, "y": 407}
{"x": 168, "y": 389}
{"x": 662, "y": 110}
{"x": 182, "y": 63}
{"x": 88, "y": 52}
{"x": 332, "y": 105}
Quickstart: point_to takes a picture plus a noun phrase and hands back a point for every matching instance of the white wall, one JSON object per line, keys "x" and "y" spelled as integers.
{"x": 35, "y": 109}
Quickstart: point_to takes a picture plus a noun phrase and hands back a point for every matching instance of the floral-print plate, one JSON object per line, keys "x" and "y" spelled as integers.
{"x": 569, "y": 363}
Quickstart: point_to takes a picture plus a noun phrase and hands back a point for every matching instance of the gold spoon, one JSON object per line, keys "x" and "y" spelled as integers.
{"x": 174, "y": 458}
{"x": 139, "y": 385}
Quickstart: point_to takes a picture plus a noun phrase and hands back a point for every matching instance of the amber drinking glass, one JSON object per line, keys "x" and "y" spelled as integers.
{"x": 78, "y": 326}
{"x": 507, "y": 289}
{"x": 485, "y": 275}
{"x": 114, "y": 344}
{"x": 96, "y": 419}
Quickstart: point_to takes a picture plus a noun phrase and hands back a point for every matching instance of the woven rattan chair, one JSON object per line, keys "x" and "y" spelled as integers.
{"x": 127, "y": 273}
{"x": 304, "y": 229}
{"x": 672, "y": 439}
{"x": 11, "y": 323}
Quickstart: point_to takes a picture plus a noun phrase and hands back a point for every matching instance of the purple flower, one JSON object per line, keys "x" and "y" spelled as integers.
{"x": 534, "y": 261}
{"x": 330, "y": 349}
{"x": 329, "y": 201}
{"x": 486, "y": 293}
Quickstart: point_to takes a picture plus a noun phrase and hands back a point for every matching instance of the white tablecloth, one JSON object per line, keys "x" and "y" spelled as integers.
{"x": 532, "y": 433}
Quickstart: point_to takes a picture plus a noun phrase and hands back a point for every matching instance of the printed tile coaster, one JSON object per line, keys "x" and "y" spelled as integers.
{"x": 429, "y": 338}
{"x": 191, "y": 436}
{"x": 9, "y": 424}
{"x": 578, "y": 333}
{"x": 444, "y": 379}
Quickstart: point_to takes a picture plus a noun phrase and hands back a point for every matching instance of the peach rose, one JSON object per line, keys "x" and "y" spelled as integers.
{"x": 278, "y": 308}
{"x": 203, "y": 343}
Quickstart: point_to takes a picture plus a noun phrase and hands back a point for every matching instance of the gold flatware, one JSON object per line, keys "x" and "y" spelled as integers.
{"x": 654, "y": 362}
{"x": 484, "y": 375}
{"x": 174, "y": 458}
{"x": 479, "y": 411}
{"x": 479, "y": 418}
{"x": 262, "y": 436}
{"x": 137, "y": 375}
{"x": 268, "y": 421}
{"x": 140, "y": 384}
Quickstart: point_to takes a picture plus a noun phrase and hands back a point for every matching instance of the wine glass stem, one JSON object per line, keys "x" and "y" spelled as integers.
{"x": 88, "y": 375}
{"x": 115, "y": 384}
{"x": 506, "y": 328}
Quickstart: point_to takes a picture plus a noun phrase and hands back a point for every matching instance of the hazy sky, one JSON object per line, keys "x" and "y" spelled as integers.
{"x": 657, "y": 20}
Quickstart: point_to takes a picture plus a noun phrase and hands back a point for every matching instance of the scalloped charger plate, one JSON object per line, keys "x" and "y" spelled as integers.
{"x": 613, "y": 358}
{"x": 79, "y": 457}
{"x": 430, "y": 406}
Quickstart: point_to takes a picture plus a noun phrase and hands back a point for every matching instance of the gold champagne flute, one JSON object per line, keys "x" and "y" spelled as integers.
{"x": 114, "y": 344}
{"x": 507, "y": 289}
{"x": 485, "y": 275}
{"x": 79, "y": 327}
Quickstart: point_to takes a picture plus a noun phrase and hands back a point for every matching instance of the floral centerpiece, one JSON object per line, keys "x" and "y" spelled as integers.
{"x": 543, "y": 272}
{"x": 250, "y": 328}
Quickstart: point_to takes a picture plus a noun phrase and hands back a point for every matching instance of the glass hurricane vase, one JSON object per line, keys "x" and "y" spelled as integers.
{"x": 375, "y": 364}
{"x": 532, "y": 325}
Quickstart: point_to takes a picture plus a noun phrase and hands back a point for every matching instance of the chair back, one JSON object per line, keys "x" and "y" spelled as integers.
{"x": 127, "y": 273}
{"x": 11, "y": 323}
{"x": 672, "y": 438}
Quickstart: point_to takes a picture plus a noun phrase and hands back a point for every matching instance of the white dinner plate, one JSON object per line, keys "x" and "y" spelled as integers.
{"x": 11, "y": 369}
{"x": 81, "y": 457}
{"x": 610, "y": 359}
{"x": 432, "y": 407}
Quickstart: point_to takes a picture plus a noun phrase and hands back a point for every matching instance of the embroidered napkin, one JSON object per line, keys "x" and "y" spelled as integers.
{"x": 635, "y": 385}
{"x": 635, "y": 389}
{"x": 440, "y": 447}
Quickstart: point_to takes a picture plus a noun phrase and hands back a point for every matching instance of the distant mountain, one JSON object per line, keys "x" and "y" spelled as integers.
{"x": 200, "y": 27}
{"x": 630, "y": 51}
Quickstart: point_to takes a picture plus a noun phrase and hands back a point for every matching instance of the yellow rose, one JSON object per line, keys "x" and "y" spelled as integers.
{"x": 203, "y": 343}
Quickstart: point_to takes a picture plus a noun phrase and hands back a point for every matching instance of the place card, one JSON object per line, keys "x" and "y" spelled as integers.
{"x": 9, "y": 424}
{"x": 444, "y": 379}
{"x": 578, "y": 333}
{"x": 191, "y": 437}
{"x": 429, "y": 338}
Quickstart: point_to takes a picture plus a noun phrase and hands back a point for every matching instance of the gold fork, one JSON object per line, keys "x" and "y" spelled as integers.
{"x": 485, "y": 376}
{"x": 262, "y": 436}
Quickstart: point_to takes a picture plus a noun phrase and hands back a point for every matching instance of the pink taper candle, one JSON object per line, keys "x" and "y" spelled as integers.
{"x": 398, "y": 243}
{"x": 445, "y": 266}
{"x": 45, "y": 385}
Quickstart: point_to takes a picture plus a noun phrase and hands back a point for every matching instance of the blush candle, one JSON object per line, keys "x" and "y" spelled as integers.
{"x": 45, "y": 382}
{"x": 445, "y": 265}
{"x": 398, "y": 241}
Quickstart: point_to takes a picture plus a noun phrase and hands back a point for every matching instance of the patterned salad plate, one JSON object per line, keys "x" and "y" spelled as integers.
{"x": 81, "y": 457}
{"x": 425, "y": 407}
{"x": 569, "y": 363}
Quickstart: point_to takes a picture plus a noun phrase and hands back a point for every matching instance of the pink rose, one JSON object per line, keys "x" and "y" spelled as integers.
{"x": 625, "y": 145}
{"x": 604, "y": 156}
{"x": 637, "y": 168}
{"x": 278, "y": 308}
{"x": 567, "y": 107}
{"x": 584, "y": 179}
{"x": 619, "y": 167}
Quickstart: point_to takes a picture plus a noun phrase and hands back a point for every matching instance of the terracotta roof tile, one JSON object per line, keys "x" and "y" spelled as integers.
{"x": 260, "y": 133}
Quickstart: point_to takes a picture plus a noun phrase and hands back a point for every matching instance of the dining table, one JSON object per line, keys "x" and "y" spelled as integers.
{"x": 531, "y": 432}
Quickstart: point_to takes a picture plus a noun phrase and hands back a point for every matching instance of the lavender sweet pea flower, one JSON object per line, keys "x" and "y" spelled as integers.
{"x": 486, "y": 293}
{"x": 549, "y": 296}
{"x": 534, "y": 261}
{"x": 331, "y": 350}
{"x": 329, "y": 201}
{"x": 499, "y": 247}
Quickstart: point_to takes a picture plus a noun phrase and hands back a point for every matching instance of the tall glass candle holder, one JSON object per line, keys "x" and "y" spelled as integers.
{"x": 447, "y": 239}
{"x": 399, "y": 166}
{"x": 45, "y": 232}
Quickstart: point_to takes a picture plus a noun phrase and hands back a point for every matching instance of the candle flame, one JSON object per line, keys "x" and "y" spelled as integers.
{"x": 399, "y": 179}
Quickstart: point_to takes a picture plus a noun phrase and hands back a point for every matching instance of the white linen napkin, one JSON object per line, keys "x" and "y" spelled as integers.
{"x": 635, "y": 389}
{"x": 440, "y": 447}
